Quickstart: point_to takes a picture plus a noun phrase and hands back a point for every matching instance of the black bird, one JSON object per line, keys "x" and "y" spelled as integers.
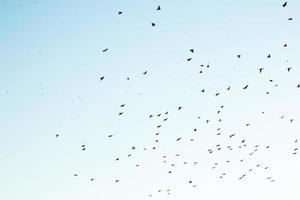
{"x": 245, "y": 87}
{"x": 260, "y": 70}
{"x": 285, "y": 45}
{"x": 158, "y": 7}
{"x": 178, "y": 139}
{"x": 101, "y": 78}
{"x": 189, "y": 59}
{"x": 145, "y": 73}
{"x": 285, "y": 4}
{"x": 110, "y": 135}
{"x": 179, "y": 108}
{"x": 239, "y": 56}
{"x": 104, "y": 50}
{"x": 269, "y": 56}
{"x": 152, "y": 24}
{"x": 57, "y": 135}
{"x": 290, "y": 19}
{"x": 122, "y": 105}
{"x": 192, "y": 50}
{"x": 289, "y": 69}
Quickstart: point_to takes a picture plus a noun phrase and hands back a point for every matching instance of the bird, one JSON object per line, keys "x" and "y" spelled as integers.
{"x": 189, "y": 59}
{"x": 110, "y": 135}
{"x": 290, "y": 19}
{"x": 284, "y": 4}
{"x": 122, "y": 105}
{"x": 145, "y": 72}
{"x": 192, "y": 50}
{"x": 153, "y": 24}
{"x": 101, "y": 78}
{"x": 120, "y": 12}
{"x": 104, "y": 50}
{"x": 239, "y": 56}
{"x": 289, "y": 69}
{"x": 158, "y": 7}
{"x": 179, "y": 108}
{"x": 245, "y": 87}
{"x": 57, "y": 135}
{"x": 260, "y": 70}
{"x": 269, "y": 56}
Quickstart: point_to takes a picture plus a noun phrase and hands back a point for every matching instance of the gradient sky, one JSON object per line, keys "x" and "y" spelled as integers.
{"x": 51, "y": 60}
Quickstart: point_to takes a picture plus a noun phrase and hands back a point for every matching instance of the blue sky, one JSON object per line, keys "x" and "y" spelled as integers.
{"x": 51, "y": 61}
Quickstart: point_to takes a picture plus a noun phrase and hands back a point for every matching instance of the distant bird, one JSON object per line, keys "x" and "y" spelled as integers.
{"x": 104, "y": 50}
{"x": 285, "y": 45}
{"x": 179, "y": 108}
{"x": 120, "y": 12}
{"x": 269, "y": 56}
{"x": 158, "y": 8}
{"x": 120, "y": 113}
{"x": 245, "y": 87}
{"x": 290, "y": 19}
{"x": 239, "y": 56}
{"x": 145, "y": 72}
{"x": 289, "y": 69}
{"x": 75, "y": 175}
{"x": 192, "y": 50}
{"x": 92, "y": 179}
{"x": 122, "y": 105}
{"x": 178, "y": 139}
{"x": 260, "y": 70}
{"x": 110, "y": 135}
{"x": 284, "y": 4}
{"x": 189, "y": 59}
{"x": 153, "y": 24}
{"x": 57, "y": 135}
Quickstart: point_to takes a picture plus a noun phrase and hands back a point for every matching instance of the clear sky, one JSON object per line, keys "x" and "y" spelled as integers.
{"x": 51, "y": 61}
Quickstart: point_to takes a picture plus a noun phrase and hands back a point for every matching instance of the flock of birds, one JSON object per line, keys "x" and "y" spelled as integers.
{"x": 241, "y": 145}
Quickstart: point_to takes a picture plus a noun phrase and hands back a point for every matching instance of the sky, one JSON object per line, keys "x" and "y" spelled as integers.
{"x": 51, "y": 61}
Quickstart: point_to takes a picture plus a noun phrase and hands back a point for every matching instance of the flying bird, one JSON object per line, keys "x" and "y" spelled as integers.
{"x": 284, "y": 4}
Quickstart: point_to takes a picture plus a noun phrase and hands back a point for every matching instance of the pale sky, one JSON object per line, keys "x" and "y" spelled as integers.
{"x": 51, "y": 61}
